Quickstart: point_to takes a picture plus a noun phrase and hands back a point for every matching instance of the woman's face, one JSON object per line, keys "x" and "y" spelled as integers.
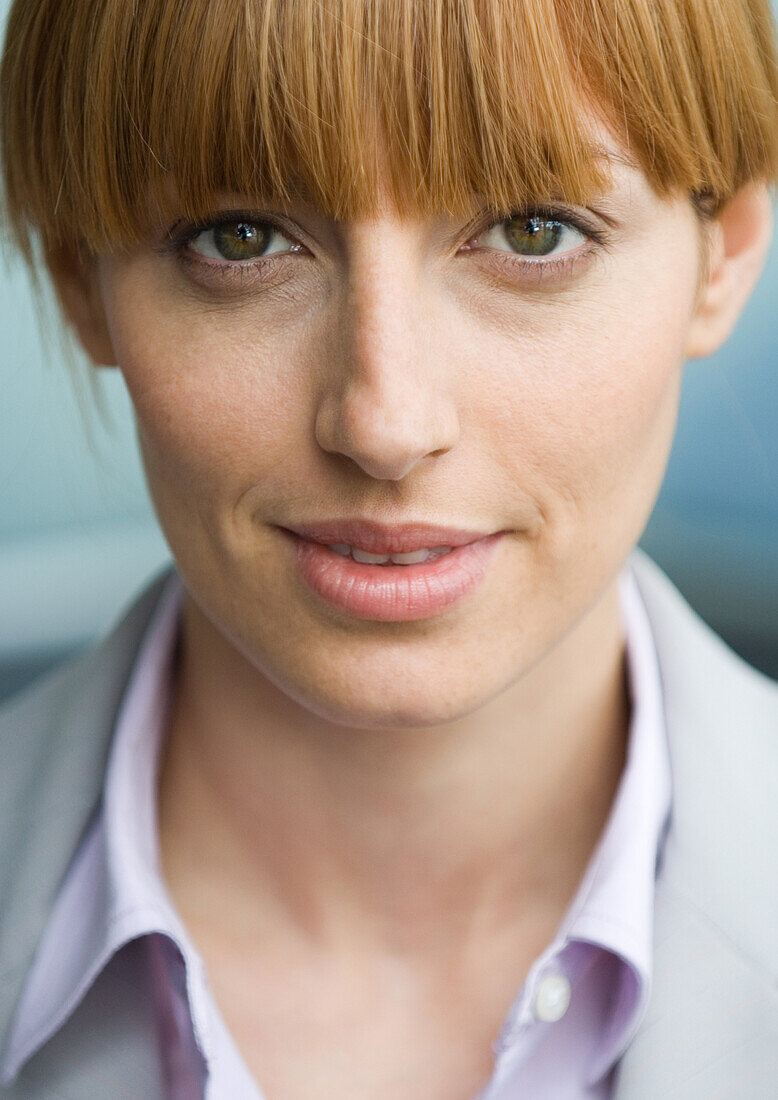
{"x": 521, "y": 378}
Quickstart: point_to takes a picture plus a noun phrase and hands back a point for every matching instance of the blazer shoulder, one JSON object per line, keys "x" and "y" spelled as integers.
{"x": 31, "y": 713}
{"x": 711, "y": 1025}
{"x": 686, "y": 642}
{"x": 721, "y": 718}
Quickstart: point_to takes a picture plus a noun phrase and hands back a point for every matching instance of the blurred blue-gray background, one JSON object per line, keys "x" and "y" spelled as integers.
{"x": 78, "y": 537}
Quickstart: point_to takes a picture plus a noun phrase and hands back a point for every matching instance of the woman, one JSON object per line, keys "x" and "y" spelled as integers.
{"x": 411, "y": 778}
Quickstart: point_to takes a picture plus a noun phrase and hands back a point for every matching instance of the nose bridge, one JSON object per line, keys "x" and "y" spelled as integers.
{"x": 385, "y": 406}
{"x": 380, "y": 254}
{"x": 382, "y": 295}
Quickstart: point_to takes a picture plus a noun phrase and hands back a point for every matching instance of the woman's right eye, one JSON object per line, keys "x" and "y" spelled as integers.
{"x": 239, "y": 240}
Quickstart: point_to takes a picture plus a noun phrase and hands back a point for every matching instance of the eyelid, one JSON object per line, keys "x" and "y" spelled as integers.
{"x": 555, "y": 269}
{"x": 548, "y": 212}
{"x": 188, "y": 231}
{"x": 488, "y": 219}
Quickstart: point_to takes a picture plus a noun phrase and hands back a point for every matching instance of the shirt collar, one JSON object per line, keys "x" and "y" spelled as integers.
{"x": 615, "y": 903}
{"x": 131, "y": 834}
{"x": 613, "y": 907}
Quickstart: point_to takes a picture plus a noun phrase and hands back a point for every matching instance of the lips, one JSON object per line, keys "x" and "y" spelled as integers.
{"x": 391, "y": 592}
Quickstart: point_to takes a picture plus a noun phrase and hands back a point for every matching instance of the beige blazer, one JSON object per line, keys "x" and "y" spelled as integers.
{"x": 711, "y": 1031}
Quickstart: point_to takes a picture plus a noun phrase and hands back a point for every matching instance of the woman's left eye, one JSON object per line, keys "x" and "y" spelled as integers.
{"x": 533, "y": 235}
{"x": 238, "y": 240}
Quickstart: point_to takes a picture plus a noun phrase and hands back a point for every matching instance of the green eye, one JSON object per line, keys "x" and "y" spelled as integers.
{"x": 533, "y": 236}
{"x": 536, "y": 233}
{"x": 240, "y": 240}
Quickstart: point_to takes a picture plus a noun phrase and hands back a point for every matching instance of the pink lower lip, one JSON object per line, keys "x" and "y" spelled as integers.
{"x": 393, "y": 593}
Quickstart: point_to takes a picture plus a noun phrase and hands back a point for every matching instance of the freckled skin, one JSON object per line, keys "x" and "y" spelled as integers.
{"x": 413, "y": 384}
{"x": 372, "y": 829}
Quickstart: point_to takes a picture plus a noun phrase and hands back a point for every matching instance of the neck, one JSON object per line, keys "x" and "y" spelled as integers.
{"x": 404, "y": 840}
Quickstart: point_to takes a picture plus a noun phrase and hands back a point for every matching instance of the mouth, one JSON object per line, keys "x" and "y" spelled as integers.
{"x": 370, "y": 585}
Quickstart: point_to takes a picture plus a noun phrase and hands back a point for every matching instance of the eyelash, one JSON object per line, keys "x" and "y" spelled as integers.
{"x": 563, "y": 265}
{"x": 259, "y": 268}
{"x": 176, "y": 243}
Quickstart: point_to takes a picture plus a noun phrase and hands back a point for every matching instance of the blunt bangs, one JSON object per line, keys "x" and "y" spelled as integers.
{"x": 106, "y": 102}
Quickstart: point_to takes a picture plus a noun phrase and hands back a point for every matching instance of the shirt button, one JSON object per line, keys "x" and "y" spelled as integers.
{"x": 552, "y": 997}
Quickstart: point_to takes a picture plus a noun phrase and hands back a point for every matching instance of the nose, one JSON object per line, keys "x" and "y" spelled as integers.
{"x": 388, "y": 398}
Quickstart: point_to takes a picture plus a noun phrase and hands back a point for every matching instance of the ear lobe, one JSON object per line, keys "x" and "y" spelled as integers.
{"x": 75, "y": 282}
{"x": 739, "y": 240}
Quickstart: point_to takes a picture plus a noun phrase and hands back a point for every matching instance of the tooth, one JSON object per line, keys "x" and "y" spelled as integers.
{"x": 411, "y": 557}
{"x": 340, "y": 548}
{"x": 368, "y": 558}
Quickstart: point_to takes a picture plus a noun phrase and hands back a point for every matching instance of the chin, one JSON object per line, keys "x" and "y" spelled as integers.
{"x": 393, "y": 709}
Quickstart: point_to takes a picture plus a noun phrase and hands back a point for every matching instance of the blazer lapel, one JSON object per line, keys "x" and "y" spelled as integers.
{"x": 54, "y": 741}
{"x": 711, "y": 1028}
{"x": 108, "y": 1049}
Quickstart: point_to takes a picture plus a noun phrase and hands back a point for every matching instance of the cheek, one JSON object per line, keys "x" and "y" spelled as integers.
{"x": 604, "y": 402}
{"x": 586, "y": 405}
{"x": 214, "y": 409}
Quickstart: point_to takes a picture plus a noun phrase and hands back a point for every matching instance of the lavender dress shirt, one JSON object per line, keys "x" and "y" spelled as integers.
{"x": 583, "y": 997}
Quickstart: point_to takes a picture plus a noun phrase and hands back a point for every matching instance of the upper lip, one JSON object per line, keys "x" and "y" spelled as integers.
{"x": 380, "y": 538}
